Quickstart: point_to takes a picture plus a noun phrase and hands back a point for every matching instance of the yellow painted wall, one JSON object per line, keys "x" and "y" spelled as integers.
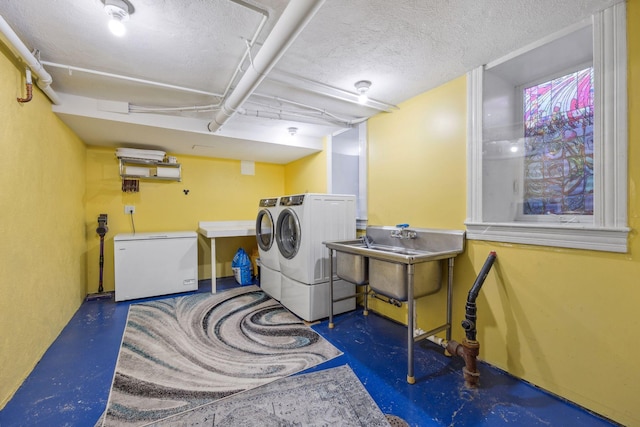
{"x": 217, "y": 192}
{"x": 307, "y": 175}
{"x": 417, "y": 175}
{"x": 565, "y": 320}
{"x": 42, "y": 254}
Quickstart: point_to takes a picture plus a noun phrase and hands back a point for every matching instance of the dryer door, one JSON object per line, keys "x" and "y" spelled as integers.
{"x": 288, "y": 233}
{"x": 265, "y": 228}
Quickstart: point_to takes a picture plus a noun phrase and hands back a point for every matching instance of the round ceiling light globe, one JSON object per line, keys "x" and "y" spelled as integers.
{"x": 117, "y": 27}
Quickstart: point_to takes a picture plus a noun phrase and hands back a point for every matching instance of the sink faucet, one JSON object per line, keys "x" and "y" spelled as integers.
{"x": 402, "y": 232}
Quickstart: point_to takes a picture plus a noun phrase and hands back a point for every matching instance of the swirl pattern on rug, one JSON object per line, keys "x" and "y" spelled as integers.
{"x": 183, "y": 352}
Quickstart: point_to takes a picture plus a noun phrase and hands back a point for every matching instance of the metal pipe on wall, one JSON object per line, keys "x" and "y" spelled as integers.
{"x": 20, "y": 50}
{"x": 469, "y": 348}
{"x": 469, "y": 323}
{"x": 29, "y": 87}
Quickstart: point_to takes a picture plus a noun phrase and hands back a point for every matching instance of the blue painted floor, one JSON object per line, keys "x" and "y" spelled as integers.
{"x": 70, "y": 385}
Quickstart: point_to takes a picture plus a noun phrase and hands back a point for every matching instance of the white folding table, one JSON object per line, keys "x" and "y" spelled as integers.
{"x": 215, "y": 229}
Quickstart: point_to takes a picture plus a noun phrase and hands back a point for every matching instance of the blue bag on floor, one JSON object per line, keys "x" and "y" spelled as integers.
{"x": 241, "y": 266}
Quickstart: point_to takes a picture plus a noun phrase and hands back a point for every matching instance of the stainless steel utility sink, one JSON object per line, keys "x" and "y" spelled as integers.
{"x": 402, "y": 264}
{"x": 384, "y": 258}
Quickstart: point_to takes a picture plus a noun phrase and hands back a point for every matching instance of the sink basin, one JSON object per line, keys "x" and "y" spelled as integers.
{"x": 397, "y": 250}
{"x": 384, "y": 262}
{"x": 352, "y": 267}
{"x": 390, "y": 278}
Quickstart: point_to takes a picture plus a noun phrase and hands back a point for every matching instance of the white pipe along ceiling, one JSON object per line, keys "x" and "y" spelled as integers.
{"x": 229, "y": 78}
{"x": 293, "y": 20}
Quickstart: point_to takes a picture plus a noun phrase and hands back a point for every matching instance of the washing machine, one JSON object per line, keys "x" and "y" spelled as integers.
{"x": 270, "y": 280}
{"x": 304, "y": 223}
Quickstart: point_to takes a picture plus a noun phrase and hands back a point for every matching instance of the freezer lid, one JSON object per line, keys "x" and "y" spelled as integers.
{"x": 158, "y": 235}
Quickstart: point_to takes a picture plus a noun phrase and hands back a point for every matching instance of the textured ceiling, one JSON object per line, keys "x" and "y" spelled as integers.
{"x": 404, "y": 47}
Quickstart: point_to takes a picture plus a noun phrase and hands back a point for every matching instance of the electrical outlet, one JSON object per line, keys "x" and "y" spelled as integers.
{"x": 129, "y": 209}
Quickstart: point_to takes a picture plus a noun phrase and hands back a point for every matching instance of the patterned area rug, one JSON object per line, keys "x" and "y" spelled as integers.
{"x": 333, "y": 397}
{"x": 181, "y": 353}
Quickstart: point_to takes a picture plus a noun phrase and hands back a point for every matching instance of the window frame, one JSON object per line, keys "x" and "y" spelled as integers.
{"x": 609, "y": 230}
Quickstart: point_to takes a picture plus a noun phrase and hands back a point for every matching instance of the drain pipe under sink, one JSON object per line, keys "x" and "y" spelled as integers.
{"x": 469, "y": 348}
{"x": 385, "y": 298}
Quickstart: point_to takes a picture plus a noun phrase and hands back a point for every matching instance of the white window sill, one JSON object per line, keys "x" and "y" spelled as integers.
{"x": 563, "y": 236}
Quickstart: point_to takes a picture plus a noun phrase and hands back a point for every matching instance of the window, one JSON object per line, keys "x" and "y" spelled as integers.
{"x": 558, "y": 146}
{"x": 548, "y": 141}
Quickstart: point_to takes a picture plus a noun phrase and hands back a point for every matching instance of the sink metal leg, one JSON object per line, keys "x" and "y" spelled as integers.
{"x": 365, "y": 312}
{"x": 410, "y": 324}
{"x": 331, "y": 325}
{"x": 449, "y": 298}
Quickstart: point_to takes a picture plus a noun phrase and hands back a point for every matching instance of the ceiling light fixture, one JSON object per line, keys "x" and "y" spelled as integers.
{"x": 118, "y": 11}
{"x": 292, "y": 131}
{"x": 363, "y": 87}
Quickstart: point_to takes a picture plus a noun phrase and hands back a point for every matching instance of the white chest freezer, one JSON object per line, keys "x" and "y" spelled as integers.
{"x": 152, "y": 264}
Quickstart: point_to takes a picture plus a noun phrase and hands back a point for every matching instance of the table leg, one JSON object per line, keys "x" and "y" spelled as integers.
{"x": 213, "y": 266}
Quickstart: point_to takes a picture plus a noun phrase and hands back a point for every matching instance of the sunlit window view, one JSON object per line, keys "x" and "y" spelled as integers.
{"x": 558, "y": 164}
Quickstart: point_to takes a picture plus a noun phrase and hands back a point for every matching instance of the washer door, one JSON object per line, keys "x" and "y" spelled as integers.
{"x": 288, "y": 233}
{"x": 265, "y": 230}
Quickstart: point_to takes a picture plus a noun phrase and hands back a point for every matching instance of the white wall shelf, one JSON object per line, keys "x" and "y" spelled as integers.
{"x": 149, "y": 170}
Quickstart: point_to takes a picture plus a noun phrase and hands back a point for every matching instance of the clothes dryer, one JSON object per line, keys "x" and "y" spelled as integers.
{"x": 270, "y": 280}
{"x": 304, "y": 223}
